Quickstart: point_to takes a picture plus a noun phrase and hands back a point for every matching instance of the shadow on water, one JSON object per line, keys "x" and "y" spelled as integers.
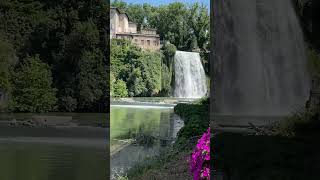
{"x": 33, "y": 161}
{"x": 72, "y": 150}
{"x": 247, "y": 157}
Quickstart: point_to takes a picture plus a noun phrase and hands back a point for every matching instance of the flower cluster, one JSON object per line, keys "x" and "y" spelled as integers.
{"x": 200, "y": 158}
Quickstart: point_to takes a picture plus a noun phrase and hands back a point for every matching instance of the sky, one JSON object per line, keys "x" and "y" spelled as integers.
{"x": 159, "y": 2}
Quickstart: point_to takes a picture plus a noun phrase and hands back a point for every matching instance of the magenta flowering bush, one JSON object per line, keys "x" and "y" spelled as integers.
{"x": 200, "y": 158}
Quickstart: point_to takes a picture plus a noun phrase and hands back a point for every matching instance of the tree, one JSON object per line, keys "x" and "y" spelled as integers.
{"x": 64, "y": 33}
{"x": 138, "y": 68}
{"x": 199, "y": 21}
{"x": 120, "y": 89}
{"x": 185, "y": 27}
{"x": 33, "y": 91}
{"x": 8, "y": 60}
{"x": 91, "y": 80}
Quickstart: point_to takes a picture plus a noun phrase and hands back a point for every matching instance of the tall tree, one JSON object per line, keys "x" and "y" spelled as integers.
{"x": 33, "y": 91}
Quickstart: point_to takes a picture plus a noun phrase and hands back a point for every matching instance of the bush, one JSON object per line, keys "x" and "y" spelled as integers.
{"x": 196, "y": 119}
{"x": 304, "y": 123}
{"x": 314, "y": 62}
{"x": 120, "y": 89}
{"x": 33, "y": 91}
{"x": 139, "y": 69}
{"x": 169, "y": 50}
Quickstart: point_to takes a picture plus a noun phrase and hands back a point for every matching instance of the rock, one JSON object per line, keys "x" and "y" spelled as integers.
{"x": 39, "y": 121}
{"x": 27, "y": 123}
{"x": 13, "y": 122}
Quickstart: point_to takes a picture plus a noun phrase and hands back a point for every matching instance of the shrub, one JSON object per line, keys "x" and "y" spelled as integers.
{"x": 33, "y": 91}
{"x": 120, "y": 89}
{"x": 299, "y": 124}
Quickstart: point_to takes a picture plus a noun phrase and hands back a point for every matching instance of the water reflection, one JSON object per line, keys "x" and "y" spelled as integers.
{"x": 63, "y": 152}
{"x": 33, "y": 161}
{"x": 139, "y": 133}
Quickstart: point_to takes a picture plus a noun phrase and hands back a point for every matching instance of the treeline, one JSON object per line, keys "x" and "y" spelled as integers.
{"x": 136, "y": 72}
{"x": 54, "y": 55}
{"x": 186, "y": 26}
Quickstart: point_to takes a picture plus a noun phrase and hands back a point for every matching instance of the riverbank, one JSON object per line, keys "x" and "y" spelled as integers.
{"x": 55, "y": 128}
{"x": 173, "y": 163}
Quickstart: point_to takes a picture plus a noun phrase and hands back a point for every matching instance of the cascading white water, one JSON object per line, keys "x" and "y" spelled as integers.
{"x": 260, "y": 61}
{"x": 190, "y": 78}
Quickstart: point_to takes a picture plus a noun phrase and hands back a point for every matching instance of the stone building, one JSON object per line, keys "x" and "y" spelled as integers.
{"x": 122, "y": 28}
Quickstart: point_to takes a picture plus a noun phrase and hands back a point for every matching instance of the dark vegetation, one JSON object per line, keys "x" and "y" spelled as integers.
{"x": 196, "y": 120}
{"x": 308, "y": 14}
{"x": 54, "y": 55}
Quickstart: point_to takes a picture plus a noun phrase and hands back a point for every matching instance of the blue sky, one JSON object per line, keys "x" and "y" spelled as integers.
{"x": 159, "y": 2}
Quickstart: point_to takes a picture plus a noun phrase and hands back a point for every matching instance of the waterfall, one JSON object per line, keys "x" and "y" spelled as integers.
{"x": 190, "y": 78}
{"x": 260, "y": 64}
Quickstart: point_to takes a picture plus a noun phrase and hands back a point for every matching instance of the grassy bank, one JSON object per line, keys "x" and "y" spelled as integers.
{"x": 173, "y": 162}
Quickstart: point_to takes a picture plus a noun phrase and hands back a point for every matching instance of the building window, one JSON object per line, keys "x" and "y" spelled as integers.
{"x": 148, "y": 42}
{"x": 136, "y": 41}
{"x": 142, "y": 42}
{"x": 155, "y": 43}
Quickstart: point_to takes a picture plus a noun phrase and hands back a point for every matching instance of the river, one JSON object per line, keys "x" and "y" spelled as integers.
{"x": 140, "y": 129}
{"x": 65, "y": 153}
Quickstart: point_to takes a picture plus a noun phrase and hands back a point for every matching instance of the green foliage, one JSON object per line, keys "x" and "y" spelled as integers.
{"x": 7, "y": 62}
{"x": 314, "y": 62}
{"x": 33, "y": 90}
{"x": 166, "y": 80}
{"x": 139, "y": 69}
{"x": 196, "y": 118}
{"x": 169, "y": 50}
{"x": 91, "y": 79}
{"x": 119, "y": 89}
{"x": 187, "y": 27}
{"x": 69, "y": 36}
{"x": 199, "y": 21}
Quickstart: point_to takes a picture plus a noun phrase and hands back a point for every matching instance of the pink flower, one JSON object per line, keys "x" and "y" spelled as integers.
{"x": 200, "y": 158}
